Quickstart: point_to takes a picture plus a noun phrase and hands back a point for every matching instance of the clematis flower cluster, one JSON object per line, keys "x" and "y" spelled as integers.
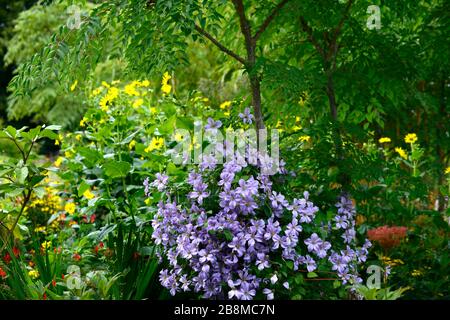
{"x": 224, "y": 236}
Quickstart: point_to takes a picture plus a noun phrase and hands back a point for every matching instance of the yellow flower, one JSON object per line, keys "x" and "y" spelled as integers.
{"x": 296, "y": 128}
{"x": 297, "y": 119}
{"x": 58, "y": 162}
{"x": 83, "y": 122}
{"x": 304, "y": 138}
{"x": 401, "y": 153}
{"x": 178, "y": 137}
{"x": 57, "y": 142}
{"x": 131, "y": 144}
{"x": 113, "y": 93}
{"x": 410, "y": 138}
{"x": 130, "y": 89}
{"x": 105, "y": 84}
{"x": 152, "y": 110}
{"x": 384, "y": 140}
{"x": 166, "y": 87}
{"x": 303, "y": 98}
{"x": 34, "y": 274}
{"x": 70, "y": 208}
{"x": 145, "y": 83}
{"x": 147, "y": 201}
{"x": 74, "y": 85}
{"x": 40, "y": 229}
{"x": 103, "y": 103}
{"x": 225, "y": 105}
{"x": 155, "y": 144}
{"x": 226, "y": 114}
{"x": 78, "y": 137}
{"x": 67, "y": 154}
{"x": 447, "y": 171}
{"x": 115, "y": 82}
{"x": 416, "y": 273}
{"x": 46, "y": 244}
{"x": 279, "y": 124}
{"x": 97, "y": 91}
{"x": 88, "y": 194}
{"x": 137, "y": 103}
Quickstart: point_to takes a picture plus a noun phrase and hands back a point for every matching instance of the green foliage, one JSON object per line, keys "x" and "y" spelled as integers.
{"x": 380, "y": 294}
{"x": 384, "y": 83}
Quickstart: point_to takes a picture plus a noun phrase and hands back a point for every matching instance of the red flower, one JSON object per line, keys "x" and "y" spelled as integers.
{"x": 387, "y": 237}
{"x": 93, "y": 218}
{"x": 54, "y": 282}
{"x": 7, "y": 258}
{"x": 2, "y": 273}
{"x": 98, "y": 247}
{"x": 16, "y": 251}
{"x": 62, "y": 276}
{"x": 76, "y": 257}
{"x": 44, "y": 296}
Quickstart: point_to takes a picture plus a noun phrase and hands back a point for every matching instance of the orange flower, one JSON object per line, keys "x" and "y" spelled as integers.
{"x": 387, "y": 237}
{"x": 76, "y": 257}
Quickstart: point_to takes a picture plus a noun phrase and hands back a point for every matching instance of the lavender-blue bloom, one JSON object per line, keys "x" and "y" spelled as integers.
{"x": 313, "y": 243}
{"x": 225, "y": 250}
{"x": 146, "y": 187}
{"x": 213, "y": 125}
{"x": 160, "y": 182}
{"x": 246, "y": 117}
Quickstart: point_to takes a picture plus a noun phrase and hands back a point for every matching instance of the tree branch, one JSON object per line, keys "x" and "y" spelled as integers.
{"x": 338, "y": 29}
{"x": 311, "y": 38}
{"x": 221, "y": 47}
{"x": 246, "y": 30}
{"x": 269, "y": 19}
{"x": 333, "y": 42}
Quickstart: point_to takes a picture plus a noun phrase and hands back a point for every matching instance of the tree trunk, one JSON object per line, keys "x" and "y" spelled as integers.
{"x": 255, "y": 85}
{"x": 343, "y": 178}
{"x": 331, "y": 97}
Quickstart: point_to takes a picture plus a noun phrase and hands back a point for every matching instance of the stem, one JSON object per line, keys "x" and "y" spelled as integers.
{"x": 20, "y": 149}
{"x": 414, "y": 163}
{"x": 127, "y": 201}
{"x": 10, "y": 231}
{"x": 29, "y": 151}
{"x": 322, "y": 279}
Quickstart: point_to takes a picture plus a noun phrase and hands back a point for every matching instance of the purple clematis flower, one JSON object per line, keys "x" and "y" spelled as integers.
{"x": 213, "y": 125}
{"x": 246, "y": 117}
{"x": 160, "y": 182}
{"x": 313, "y": 243}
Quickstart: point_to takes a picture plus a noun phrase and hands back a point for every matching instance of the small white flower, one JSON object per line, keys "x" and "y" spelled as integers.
{"x": 274, "y": 279}
{"x": 286, "y": 285}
